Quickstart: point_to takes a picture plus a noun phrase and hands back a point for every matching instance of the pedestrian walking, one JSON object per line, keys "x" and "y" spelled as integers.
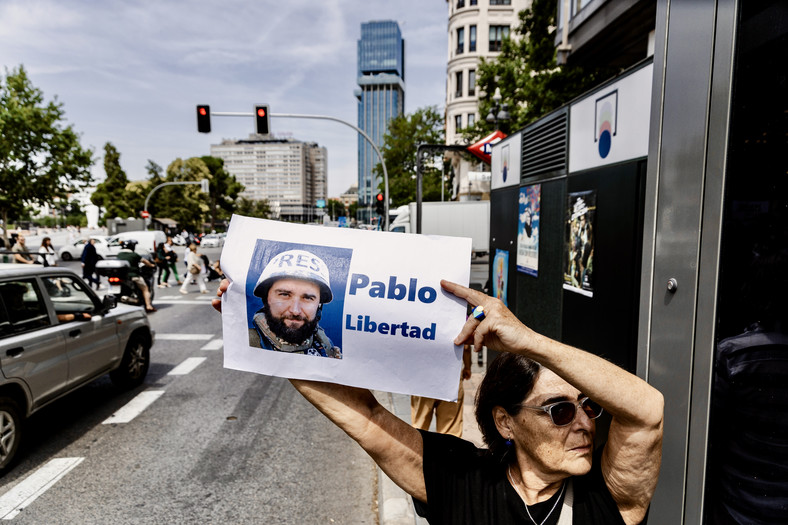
{"x": 89, "y": 259}
{"x": 47, "y": 253}
{"x": 196, "y": 268}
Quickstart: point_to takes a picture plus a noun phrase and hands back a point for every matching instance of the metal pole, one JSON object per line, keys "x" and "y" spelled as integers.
{"x": 335, "y": 119}
{"x": 419, "y": 151}
{"x": 147, "y": 199}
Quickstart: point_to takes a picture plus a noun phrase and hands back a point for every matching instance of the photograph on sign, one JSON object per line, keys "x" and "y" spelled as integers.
{"x": 579, "y": 263}
{"x": 500, "y": 275}
{"x": 528, "y": 229}
{"x": 355, "y": 307}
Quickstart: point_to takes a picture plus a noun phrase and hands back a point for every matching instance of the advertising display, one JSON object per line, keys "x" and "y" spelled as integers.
{"x": 500, "y": 275}
{"x": 528, "y": 230}
{"x": 579, "y": 264}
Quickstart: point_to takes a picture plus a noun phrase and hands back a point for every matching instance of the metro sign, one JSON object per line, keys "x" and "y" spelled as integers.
{"x": 483, "y": 148}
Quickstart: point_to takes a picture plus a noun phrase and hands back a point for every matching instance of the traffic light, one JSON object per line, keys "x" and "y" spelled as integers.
{"x": 261, "y": 119}
{"x": 379, "y": 206}
{"x": 204, "y": 119}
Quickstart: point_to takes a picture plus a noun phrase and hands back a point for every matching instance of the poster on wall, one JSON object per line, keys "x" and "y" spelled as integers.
{"x": 500, "y": 275}
{"x": 528, "y": 230}
{"x": 579, "y": 263}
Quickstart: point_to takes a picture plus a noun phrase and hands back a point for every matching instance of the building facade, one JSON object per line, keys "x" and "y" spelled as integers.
{"x": 476, "y": 30}
{"x": 381, "y": 97}
{"x": 289, "y": 174}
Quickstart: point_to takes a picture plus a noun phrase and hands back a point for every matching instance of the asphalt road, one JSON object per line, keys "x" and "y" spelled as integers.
{"x": 213, "y": 445}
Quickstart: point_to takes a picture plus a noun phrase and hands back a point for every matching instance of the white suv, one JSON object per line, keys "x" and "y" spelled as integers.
{"x": 57, "y": 335}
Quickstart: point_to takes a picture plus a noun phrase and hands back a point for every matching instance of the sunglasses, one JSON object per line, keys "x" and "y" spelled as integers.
{"x": 563, "y": 412}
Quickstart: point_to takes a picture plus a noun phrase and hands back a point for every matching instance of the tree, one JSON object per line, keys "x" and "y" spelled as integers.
{"x": 253, "y": 208}
{"x": 41, "y": 159}
{"x": 531, "y": 81}
{"x": 185, "y": 204}
{"x": 335, "y": 208}
{"x": 405, "y": 133}
{"x": 224, "y": 190}
{"x": 111, "y": 194}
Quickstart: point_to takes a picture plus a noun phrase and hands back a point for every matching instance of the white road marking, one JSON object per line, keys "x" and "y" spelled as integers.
{"x": 134, "y": 407}
{"x": 183, "y": 337}
{"x": 215, "y": 344}
{"x": 26, "y": 491}
{"x": 187, "y": 366}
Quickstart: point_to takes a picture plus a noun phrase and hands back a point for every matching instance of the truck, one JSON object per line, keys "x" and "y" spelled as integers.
{"x": 453, "y": 219}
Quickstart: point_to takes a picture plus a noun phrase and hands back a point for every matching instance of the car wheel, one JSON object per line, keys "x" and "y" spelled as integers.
{"x": 134, "y": 365}
{"x": 66, "y": 256}
{"x": 10, "y": 431}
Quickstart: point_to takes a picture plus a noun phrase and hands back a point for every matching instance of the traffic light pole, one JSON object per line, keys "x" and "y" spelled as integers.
{"x": 203, "y": 183}
{"x": 326, "y": 117}
{"x": 425, "y": 148}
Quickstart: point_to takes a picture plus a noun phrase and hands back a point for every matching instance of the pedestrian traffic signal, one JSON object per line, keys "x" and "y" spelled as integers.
{"x": 379, "y": 205}
{"x": 204, "y": 119}
{"x": 261, "y": 119}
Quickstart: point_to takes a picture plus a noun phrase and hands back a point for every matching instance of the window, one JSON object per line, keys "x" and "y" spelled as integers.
{"x": 500, "y": 2}
{"x": 68, "y": 296}
{"x": 458, "y": 84}
{"x": 472, "y": 2}
{"x": 460, "y": 4}
{"x": 24, "y": 307}
{"x": 457, "y": 123}
{"x": 471, "y": 119}
{"x": 460, "y": 40}
{"x": 497, "y": 35}
{"x": 472, "y": 39}
{"x": 472, "y": 83}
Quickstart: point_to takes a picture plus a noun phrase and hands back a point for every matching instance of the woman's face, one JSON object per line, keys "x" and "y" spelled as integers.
{"x": 540, "y": 444}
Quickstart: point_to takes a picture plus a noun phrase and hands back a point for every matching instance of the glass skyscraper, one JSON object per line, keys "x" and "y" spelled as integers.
{"x": 381, "y": 96}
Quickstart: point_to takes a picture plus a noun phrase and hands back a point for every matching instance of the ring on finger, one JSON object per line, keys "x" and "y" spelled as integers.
{"x": 478, "y": 313}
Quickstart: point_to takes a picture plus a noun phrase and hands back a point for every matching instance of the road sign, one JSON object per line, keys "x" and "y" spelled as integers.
{"x": 145, "y": 214}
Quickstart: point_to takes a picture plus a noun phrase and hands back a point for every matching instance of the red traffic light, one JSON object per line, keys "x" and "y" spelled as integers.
{"x": 261, "y": 119}
{"x": 380, "y": 197}
{"x": 204, "y": 119}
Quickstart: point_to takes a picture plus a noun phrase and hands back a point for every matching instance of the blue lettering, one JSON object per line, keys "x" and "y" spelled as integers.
{"x": 348, "y": 326}
{"x": 383, "y": 328}
{"x": 396, "y": 291}
{"x": 415, "y": 332}
{"x": 427, "y": 294}
{"x": 285, "y": 259}
{"x": 369, "y": 326}
{"x": 404, "y": 329}
{"x": 429, "y": 333}
{"x": 358, "y": 280}
{"x": 378, "y": 289}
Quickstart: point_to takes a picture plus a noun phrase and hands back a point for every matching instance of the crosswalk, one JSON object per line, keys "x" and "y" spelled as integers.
{"x": 24, "y": 493}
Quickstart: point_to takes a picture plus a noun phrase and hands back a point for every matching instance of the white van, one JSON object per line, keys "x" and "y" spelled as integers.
{"x": 147, "y": 241}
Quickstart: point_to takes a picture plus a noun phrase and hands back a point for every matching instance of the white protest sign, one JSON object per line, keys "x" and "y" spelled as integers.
{"x": 355, "y": 307}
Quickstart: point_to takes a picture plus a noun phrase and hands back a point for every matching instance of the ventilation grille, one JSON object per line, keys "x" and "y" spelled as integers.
{"x": 545, "y": 146}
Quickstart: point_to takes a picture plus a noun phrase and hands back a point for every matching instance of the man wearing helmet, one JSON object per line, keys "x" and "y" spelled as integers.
{"x": 294, "y": 286}
{"x": 127, "y": 254}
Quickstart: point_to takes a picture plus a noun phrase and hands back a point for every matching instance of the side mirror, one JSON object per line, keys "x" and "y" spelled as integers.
{"x": 109, "y": 302}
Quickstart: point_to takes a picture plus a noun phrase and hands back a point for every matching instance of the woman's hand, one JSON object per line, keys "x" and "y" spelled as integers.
{"x": 217, "y": 303}
{"x": 499, "y": 330}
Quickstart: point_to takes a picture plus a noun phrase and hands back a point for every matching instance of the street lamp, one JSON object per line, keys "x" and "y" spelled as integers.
{"x": 498, "y": 112}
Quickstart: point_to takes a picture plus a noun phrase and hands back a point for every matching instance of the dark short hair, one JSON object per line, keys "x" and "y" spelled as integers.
{"x": 508, "y": 381}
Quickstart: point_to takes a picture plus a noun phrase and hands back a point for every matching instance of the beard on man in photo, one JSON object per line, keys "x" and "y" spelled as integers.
{"x": 291, "y": 335}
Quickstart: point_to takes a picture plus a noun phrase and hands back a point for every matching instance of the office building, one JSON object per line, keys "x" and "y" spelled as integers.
{"x": 476, "y": 30}
{"x": 381, "y": 97}
{"x": 291, "y": 175}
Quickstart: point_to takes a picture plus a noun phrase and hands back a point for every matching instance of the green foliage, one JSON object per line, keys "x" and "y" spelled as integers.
{"x": 185, "y": 204}
{"x": 526, "y": 71}
{"x": 41, "y": 160}
{"x": 224, "y": 190}
{"x": 111, "y": 194}
{"x": 400, "y": 143}
{"x": 253, "y": 208}
{"x": 335, "y": 208}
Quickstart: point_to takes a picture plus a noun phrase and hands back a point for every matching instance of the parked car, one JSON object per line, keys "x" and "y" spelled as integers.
{"x": 212, "y": 240}
{"x": 56, "y": 335}
{"x": 104, "y": 248}
{"x": 146, "y": 240}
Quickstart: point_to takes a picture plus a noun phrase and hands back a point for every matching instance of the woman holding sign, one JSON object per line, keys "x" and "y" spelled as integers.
{"x": 536, "y": 407}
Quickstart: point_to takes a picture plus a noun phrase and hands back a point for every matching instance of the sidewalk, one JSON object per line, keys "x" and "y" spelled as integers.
{"x": 394, "y": 505}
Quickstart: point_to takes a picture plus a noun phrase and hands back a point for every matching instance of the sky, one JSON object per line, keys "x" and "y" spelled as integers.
{"x": 132, "y": 72}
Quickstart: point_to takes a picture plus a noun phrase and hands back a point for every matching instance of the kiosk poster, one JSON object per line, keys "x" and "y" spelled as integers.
{"x": 579, "y": 263}
{"x": 528, "y": 230}
{"x": 355, "y": 307}
{"x": 500, "y": 274}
